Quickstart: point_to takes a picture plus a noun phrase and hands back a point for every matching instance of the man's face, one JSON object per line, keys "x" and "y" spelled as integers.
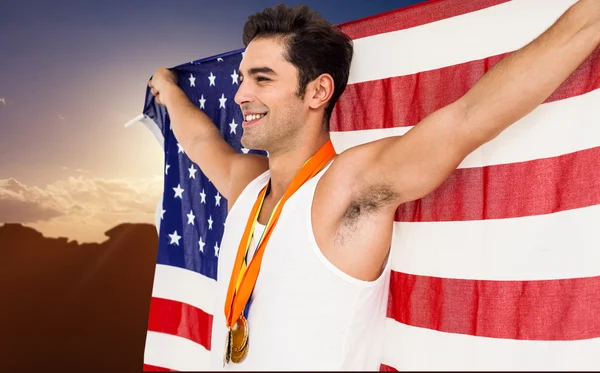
{"x": 273, "y": 113}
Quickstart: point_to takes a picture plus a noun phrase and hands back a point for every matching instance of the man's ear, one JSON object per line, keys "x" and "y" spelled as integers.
{"x": 320, "y": 90}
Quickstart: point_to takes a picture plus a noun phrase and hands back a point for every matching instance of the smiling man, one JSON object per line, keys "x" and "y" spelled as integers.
{"x": 317, "y": 225}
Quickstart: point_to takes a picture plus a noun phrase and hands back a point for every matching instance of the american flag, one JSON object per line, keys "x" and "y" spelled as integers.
{"x": 498, "y": 269}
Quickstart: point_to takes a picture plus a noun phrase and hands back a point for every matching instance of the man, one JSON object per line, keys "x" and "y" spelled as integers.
{"x": 318, "y": 227}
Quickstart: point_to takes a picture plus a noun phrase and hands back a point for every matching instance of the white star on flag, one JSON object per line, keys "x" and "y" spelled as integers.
{"x": 245, "y": 150}
{"x": 218, "y": 199}
{"x": 192, "y": 171}
{"x": 178, "y": 191}
{"x": 211, "y": 78}
{"x": 222, "y": 101}
{"x": 167, "y": 169}
{"x": 192, "y": 81}
{"x": 210, "y": 221}
{"x": 202, "y": 101}
{"x": 219, "y": 59}
{"x": 179, "y": 149}
{"x": 234, "y": 77}
{"x": 191, "y": 217}
{"x": 175, "y": 238}
{"x": 201, "y": 243}
{"x": 203, "y": 197}
{"x": 162, "y": 214}
{"x": 216, "y": 249}
{"x": 233, "y": 125}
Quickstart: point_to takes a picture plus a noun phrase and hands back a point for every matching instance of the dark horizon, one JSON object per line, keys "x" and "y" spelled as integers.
{"x": 76, "y": 307}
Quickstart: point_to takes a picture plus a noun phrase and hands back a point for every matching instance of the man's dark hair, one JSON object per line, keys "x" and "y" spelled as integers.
{"x": 314, "y": 45}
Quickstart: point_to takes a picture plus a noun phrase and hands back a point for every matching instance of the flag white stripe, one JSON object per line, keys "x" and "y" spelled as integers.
{"x": 472, "y": 36}
{"x": 173, "y": 352}
{"x": 542, "y": 247}
{"x": 184, "y": 286}
{"x": 412, "y": 348}
{"x": 536, "y": 249}
{"x": 553, "y": 129}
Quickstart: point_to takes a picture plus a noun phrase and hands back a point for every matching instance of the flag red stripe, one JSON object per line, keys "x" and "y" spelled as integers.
{"x": 412, "y": 16}
{"x": 387, "y": 368}
{"x": 564, "y": 309}
{"x": 152, "y": 368}
{"x": 181, "y": 317}
{"x": 541, "y": 186}
{"x": 406, "y": 100}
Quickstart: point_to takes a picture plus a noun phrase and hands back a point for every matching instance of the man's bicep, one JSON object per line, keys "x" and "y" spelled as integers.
{"x": 415, "y": 164}
{"x": 216, "y": 158}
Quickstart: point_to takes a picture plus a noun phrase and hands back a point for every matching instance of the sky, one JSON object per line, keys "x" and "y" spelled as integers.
{"x": 72, "y": 73}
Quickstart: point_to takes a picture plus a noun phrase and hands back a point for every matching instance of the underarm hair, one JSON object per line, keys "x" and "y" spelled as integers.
{"x": 368, "y": 203}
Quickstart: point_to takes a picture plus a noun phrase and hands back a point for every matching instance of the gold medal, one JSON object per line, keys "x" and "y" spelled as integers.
{"x": 239, "y": 340}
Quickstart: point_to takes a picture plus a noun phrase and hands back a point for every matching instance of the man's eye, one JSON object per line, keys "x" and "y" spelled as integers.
{"x": 261, "y": 79}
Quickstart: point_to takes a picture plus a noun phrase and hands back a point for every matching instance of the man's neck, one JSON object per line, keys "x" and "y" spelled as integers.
{"x": 285, "y": 166}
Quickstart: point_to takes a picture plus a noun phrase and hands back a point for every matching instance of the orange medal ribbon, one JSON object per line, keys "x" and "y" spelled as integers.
{"x": 243, "y": 278}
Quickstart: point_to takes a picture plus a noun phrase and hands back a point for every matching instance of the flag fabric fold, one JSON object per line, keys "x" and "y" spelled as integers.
{"x": 498, "y": 269}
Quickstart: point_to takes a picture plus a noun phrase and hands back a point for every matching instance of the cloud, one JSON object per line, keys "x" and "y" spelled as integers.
{"x": 3, "y": 100}
{"x": 19, "y": 211}
{"x": 80, "y": 207}
{"x": 19, "y": 204}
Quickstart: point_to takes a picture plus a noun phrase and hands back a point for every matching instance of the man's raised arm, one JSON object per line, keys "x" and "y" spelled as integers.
{"x": 415, "y": 164}
{"x": 202, "y": 141}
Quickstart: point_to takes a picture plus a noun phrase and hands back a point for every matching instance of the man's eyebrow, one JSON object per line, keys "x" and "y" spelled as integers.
{"x": 260, "y": 70}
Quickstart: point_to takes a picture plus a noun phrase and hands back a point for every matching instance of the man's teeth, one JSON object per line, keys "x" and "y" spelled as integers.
{"x": 253, "y": 117}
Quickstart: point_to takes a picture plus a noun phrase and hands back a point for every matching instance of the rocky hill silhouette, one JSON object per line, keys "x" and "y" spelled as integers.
{"x": 75, "y": 307}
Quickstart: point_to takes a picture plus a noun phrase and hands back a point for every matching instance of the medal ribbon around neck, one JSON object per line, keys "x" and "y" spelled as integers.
{"x": 243, "y": 277}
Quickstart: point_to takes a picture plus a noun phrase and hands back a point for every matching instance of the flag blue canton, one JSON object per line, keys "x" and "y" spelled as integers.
{"x": 193, "y": 212}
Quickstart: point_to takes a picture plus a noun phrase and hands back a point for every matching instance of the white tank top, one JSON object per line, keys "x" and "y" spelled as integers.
{"x": 305, "y": 313}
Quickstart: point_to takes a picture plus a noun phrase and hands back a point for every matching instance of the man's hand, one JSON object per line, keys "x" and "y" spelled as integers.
{"x": 162, "y": 78}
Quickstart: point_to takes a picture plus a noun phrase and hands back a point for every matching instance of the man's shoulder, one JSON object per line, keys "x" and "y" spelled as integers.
{"x": 347, "y": 169}
{"x": 352, "y": 233}
{"x": 247, "y": 169}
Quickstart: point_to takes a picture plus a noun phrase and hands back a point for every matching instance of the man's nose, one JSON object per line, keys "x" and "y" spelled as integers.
{"x": 243, "y": 94}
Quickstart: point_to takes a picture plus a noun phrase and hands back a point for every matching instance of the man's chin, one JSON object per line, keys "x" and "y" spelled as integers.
{"x": 248, "y": 143}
